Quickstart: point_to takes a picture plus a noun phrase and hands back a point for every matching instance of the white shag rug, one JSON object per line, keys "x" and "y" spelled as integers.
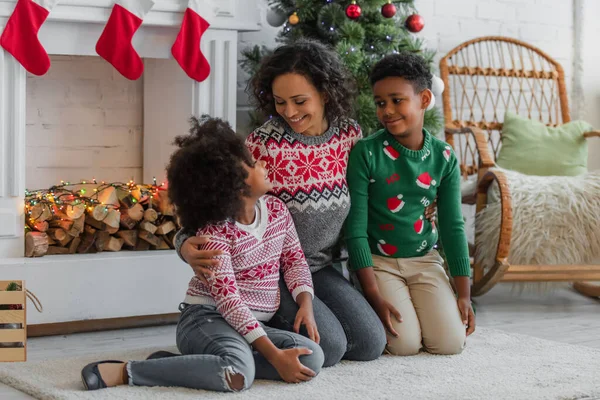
{"x": 556, "y": 220}
{"x": 494, "y": 365}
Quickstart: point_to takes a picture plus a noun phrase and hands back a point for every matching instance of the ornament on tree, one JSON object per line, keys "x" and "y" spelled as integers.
{"x": 115, "y": 45}
{"x": 415, "y": 23}
{"x": 437, "y": 86}
{"x": 353, "y": 11}
{"x": 275, "y": 17}
{"x": 388, "y": 10}
{"x": 186, "y": 48}
{"x": 20, "y": 34}
{"x": 294, "y": 19}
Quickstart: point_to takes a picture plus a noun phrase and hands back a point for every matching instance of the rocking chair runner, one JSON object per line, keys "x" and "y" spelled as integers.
{"x": 484, "y": 78}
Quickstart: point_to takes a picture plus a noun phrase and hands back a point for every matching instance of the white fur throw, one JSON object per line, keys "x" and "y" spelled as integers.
{"x": 556, "y": 220}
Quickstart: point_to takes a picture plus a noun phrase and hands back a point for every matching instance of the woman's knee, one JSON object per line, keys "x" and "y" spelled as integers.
{"x": 333, "y": 345}
{"x": 367, "y": 341}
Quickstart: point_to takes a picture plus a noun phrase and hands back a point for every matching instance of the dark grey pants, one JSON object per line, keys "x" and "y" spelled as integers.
{"x": 348, "y": 326}
{"x": 211, "y": 349}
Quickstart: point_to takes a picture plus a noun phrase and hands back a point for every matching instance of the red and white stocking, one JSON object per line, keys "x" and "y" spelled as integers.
{"x": 115, "y": 45}
{"x": 20, "y": 34}
{"x": 186, "y": 48}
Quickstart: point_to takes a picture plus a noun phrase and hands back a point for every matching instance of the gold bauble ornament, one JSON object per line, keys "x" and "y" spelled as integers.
{"x": 294, "y": 19}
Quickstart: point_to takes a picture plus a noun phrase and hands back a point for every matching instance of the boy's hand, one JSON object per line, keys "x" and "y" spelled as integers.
{"x": 466, "y": 313}
{"x": 431, "y": 211}
{"x": 199, "y": 259}
{"x": 289, "y": 367}
{"x": 306, "y": 317}
{"x": 385, "y": 310}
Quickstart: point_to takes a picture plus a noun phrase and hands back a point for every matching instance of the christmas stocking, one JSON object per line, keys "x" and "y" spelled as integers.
{"x": 20, "y": 34}
{"x": 186, "y": 48}
{"x": 114, "y": 44}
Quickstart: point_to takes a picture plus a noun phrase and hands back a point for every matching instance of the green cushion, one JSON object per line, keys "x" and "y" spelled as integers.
{"x": 532, "y": 148}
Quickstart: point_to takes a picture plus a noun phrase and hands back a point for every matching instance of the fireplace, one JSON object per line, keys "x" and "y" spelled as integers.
{"x": 122, "y": 284}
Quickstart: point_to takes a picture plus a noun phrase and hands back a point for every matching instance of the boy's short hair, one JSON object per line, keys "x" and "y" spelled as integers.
{"x": 206, "y": 177}
{"x": 409, "y": 66}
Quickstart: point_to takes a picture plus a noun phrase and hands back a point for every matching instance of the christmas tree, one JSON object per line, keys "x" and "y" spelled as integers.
{"x": 362, "y": 32}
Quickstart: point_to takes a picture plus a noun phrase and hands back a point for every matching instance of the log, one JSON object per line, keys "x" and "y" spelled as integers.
{"x": 77, "y": 227}
{"x": 165, "y": 228}
{"x": 102, "y": 238}
{"x": 149, "y": 237}
{"x": 57, "y": 234}
{"x": 127, "y": 201}
{"x": 36, "y": 244}
{"x": 136, "y": 212}
{"x": 64, "y": 242}
{"x": 90, "y": 229}
{"x": 74, "y": 245}
{"x": 113, "y": 219}
{"x": 108, "y": 197}
{"x": 87, "y": 242}
{"x": 114, "y": 244}
{"x": 130, "y": 237}
{"x": 51, "y": 241}
{"x": 112, "y": 230}
{"x": 162, "y": 245}
{"x": 89, "y": 220}
{"x": 164, "y": 205}
{"x": 41, "y": 226}
{"x": 142, "y": 245}
{"x": 127, "y": 222}
{"x": 148, "y": 227}
{"x": 41, "y": 212}
{"x": 57, "y": 250}
{"x": 64, "y": 224}
{"x": 99, "y": 212}
{"x": 150, "y": 215}
{"x": 170, "y": 239}
{"x": 75, "y": 211}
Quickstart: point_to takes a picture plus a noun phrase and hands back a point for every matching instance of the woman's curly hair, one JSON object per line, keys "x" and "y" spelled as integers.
{"x": 409, "y": 66}
{"x": 206, "y": 174}
{"x": 317, "y": 63}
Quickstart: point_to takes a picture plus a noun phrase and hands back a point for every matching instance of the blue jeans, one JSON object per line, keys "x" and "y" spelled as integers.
{"x": 211, "y": 349}
{"x": 348, "y": 326}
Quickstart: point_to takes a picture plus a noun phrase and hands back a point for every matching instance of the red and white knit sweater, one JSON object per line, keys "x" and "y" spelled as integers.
{"x": 245, "y": 286}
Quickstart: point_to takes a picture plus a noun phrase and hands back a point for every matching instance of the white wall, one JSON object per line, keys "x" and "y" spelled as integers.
{"x": 84, "y": 120}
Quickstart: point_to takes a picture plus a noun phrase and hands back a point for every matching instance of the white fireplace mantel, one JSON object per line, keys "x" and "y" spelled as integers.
{"x": 96, "y": 286}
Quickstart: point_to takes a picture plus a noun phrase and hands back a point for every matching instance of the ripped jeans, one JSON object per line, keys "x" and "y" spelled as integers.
{"x": 212, "y": 350}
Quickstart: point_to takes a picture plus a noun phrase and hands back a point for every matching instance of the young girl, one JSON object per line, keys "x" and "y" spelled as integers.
{"x": 215, "y": 184}
{"x": 393, "y": 176}
{"x": 306, "y": 144}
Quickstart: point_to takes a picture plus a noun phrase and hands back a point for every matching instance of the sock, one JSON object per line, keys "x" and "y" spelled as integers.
{"x": 20, "y": 34}
{"x": 186, "y": 48}
{"x": 115, "y": 45}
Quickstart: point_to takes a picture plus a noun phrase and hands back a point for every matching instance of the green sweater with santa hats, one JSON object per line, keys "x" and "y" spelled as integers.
{"x": 390, "y": 187}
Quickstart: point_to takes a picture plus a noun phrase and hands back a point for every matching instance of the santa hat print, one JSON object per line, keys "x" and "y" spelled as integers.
{"x": 395, "y": 204}
{"x": 390, "y": 151}
{"x": 447, "y": 153}
{"x": 419, "y": 225}
{"x": 425, "y": 181}
{"x": 386, "y": 249}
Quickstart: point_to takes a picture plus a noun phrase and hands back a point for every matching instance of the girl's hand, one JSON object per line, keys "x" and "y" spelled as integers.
{"x": 198, "y": 259}
{"x": 466, "y": 313}
{"x": 289, "y": 367}
{"x": 306, "y": 317}
{"x": 431, "y": 211}
{"x": 385, "y": 310}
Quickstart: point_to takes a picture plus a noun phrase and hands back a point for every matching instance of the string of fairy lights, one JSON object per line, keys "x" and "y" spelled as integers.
{"x": 59, "y": 197}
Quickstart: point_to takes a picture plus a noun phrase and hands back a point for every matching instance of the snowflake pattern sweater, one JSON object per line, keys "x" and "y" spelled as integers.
{"x": 390, "y": 187}
{"x": 245, "y": 287}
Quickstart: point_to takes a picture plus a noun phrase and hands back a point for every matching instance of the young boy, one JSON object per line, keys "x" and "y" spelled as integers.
{"x": 393, "y": 175}
{"x": 219, "y": 192}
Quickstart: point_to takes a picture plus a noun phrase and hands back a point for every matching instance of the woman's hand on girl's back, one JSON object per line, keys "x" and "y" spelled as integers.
{"x": 199, "y": 260}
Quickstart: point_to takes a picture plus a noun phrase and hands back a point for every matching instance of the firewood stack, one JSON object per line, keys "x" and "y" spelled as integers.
{"x": 118, "y": 220}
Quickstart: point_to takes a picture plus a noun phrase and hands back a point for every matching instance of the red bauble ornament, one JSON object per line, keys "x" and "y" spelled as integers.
{"x": 415, "y": 23}
{"x": 353, "y": 11}
{"x": 388, "y": 10}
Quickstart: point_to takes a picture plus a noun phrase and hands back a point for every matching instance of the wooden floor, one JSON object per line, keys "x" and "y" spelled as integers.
{"x": 563, "y": 316}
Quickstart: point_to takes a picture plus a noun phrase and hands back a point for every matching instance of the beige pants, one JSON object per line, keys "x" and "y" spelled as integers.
{"x": 420, "y": 290}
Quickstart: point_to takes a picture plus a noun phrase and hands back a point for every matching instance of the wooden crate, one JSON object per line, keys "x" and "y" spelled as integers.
{"x": 13, "y": 317}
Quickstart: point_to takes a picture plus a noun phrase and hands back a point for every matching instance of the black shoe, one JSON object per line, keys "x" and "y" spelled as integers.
{"x": 161, "y": 354}
{"x": 90, "y": 376}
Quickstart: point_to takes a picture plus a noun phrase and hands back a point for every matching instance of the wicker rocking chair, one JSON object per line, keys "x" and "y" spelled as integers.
{"x": 484, "y": 78}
